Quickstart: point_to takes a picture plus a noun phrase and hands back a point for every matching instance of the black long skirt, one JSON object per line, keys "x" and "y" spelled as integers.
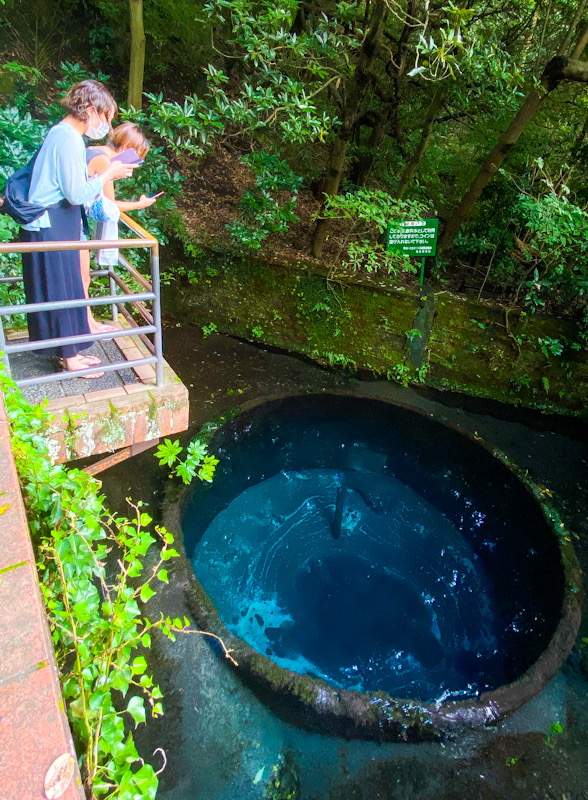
{"x": 53, "y": 276}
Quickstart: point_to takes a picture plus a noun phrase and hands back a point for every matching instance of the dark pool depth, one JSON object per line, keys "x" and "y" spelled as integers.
{"x": 375, "y": 548}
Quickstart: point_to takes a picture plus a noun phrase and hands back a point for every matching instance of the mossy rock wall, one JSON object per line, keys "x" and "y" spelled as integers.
{"x": 442, "y": 340}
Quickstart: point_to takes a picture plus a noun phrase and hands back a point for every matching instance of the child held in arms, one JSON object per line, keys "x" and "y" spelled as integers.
{"x": 125, "y": 137}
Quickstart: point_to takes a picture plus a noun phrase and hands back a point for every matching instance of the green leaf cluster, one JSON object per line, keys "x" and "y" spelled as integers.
{"x": 196, "y": 463}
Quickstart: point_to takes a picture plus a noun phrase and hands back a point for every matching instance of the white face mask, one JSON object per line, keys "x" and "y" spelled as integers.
{"x": 99, "y": 132}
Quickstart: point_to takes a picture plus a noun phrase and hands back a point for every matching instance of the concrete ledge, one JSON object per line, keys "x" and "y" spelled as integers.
{"x": 109, "y": 419}
{"x": 34, "y": 730}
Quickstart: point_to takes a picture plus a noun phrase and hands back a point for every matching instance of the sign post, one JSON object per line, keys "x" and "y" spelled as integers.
{"x": 416, "y": 237}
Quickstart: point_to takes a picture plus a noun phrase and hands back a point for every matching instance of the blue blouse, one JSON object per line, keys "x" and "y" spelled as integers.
{"x": 60, "y": 173}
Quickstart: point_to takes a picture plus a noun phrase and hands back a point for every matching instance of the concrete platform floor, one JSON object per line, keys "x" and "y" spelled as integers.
{"x": 32, "y": 364}
{"x": 100, "y": 415}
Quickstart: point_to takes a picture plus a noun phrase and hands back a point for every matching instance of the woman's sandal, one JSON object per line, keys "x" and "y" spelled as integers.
{"x": 90, "y": 360}
{"x": 87, "y": 361}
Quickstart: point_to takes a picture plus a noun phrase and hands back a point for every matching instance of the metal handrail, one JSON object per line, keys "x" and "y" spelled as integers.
{"x": 116, "y": 301}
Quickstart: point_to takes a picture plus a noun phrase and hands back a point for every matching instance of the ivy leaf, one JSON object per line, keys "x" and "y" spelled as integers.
{"x": 139, "y": 666}
{"x": 162, "y": 575}
{"x": 124, "y": 752}
{"x": 122, "y": 680}
{"x": 76, "y": 708}
{"x": 98, "y": 699}
{"x": 146, "y": 593}
{"x": 136, "y": 709}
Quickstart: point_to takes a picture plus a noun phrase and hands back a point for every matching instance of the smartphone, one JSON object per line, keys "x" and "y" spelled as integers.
{"x": 129, "y": 156}
{"x": 150, "y": 196}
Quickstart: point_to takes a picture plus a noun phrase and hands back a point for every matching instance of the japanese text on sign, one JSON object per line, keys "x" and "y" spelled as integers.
{"x": 413, "y": 237}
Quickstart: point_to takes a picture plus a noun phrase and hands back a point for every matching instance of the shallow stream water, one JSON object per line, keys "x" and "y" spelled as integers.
{"x": 221, "y": 741}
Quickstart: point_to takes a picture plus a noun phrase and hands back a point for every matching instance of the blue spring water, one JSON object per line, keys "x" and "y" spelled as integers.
{"x": 375, "y": 549}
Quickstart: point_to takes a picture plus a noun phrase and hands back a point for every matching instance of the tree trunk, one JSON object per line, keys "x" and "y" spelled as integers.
{"x": 137, "y": 66}
{"x": 365, "y": 161}
{"x": 564, "y": 48}
{"x": 557, "y": 70}
{"x": 359, "y": 86}
{"x": 580, "y": 44}
{"x": 423, "y": 143}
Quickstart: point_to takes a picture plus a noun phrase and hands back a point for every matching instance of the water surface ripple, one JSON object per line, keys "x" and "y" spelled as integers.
{"x": 349, "y": 545}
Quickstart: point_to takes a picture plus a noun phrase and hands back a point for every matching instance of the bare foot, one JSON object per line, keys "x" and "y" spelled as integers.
{"x": 101, "y": 327}
{"x": 77, "y": 363}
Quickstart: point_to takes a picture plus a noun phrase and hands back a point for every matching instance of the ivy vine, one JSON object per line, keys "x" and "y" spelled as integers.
{"x": 95, "y": 586}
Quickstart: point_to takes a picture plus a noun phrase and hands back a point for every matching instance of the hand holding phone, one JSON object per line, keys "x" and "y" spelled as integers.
{"x": 147, "y": 200}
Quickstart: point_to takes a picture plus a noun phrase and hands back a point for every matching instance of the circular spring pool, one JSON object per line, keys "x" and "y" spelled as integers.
{"x": 372, "y": 549}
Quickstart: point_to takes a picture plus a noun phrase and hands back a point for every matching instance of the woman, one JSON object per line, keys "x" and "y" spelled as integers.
{"x": 123, "y": 137}
{"x": 60, "y": 184}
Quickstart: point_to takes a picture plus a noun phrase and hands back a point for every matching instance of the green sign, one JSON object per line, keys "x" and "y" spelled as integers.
{"x": 415, "y": 237}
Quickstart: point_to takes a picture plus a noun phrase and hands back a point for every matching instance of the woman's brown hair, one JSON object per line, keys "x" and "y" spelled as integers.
{"x": 88, "y": 93}
{"x": 129, "y": 134}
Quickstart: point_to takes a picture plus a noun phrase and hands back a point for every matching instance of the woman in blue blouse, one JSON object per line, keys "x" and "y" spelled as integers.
{"x": 61, "y": 185}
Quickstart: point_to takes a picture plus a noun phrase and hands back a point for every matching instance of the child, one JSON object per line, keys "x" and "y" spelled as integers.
{"x": 99, "y": 159}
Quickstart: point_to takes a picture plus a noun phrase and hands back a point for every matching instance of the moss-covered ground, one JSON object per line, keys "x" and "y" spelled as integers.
{"x": 435, "y": 337}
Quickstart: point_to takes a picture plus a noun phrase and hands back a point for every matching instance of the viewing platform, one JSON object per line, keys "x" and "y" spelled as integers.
{"x": 138, "y": 399}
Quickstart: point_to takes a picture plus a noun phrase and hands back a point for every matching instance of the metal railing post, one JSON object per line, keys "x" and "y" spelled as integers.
{"x": 157, "y": 337}
{"x": 5, "y": 360}
{"x": 113, "y": 290}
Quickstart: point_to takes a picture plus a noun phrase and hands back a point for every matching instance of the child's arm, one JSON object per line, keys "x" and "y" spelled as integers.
{"x": 132, "y": 205}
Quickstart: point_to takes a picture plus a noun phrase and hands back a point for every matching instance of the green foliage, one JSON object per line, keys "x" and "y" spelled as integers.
{"x": 20, "y": 137}
{"x": 10, "y": 266}
{"x": 555, "y": 731}
{"x": 278, "y": 80}
{"x": 98, "y": 626}
{"x": 24, "y": 84}
{"x": 74, "y": 73}
{"x": 196, "y": 463}
{"x": 554, "y": 239}
{"x": 367, "y": 214}
{"x": 209, "y": 329}
{"x": 438, "y": 56}
{"x": 95, "y": 586}
{"x": 372, "y": 206}
{"x": 268, "y": 97}
{"x": 550, "y": 347}
{"x": 284, "y": 781}
{"x": 168, "y": 452}
{"x": 265, "y": 207}
{"x": 337, "y": 359}
{"x": 402, "y": 373}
